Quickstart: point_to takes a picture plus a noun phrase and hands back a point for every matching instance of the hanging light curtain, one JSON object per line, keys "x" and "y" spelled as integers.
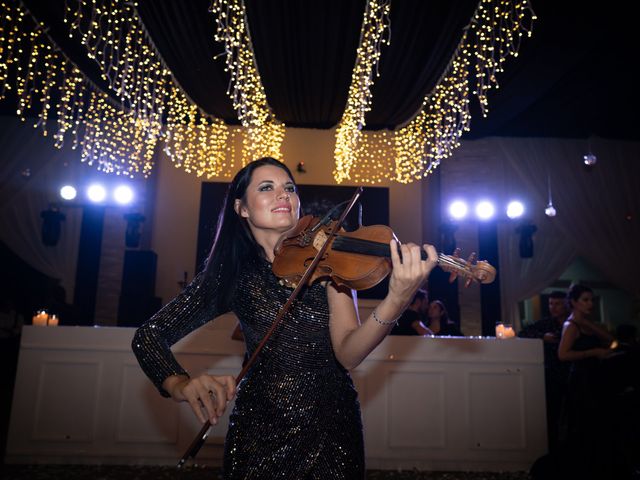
{"x": 264, "y": 133}
{"x": 372, "y": 37}
{"x": 117, "y": 40}
{"x": 415, "y": 150}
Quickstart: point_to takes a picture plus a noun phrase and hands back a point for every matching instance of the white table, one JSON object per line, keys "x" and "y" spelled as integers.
{"x": 427, "y": 403}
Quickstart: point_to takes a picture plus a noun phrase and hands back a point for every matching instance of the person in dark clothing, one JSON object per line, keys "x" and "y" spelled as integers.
{"x": 556, "y": 373}
{"x": 586, "y": 344}
{"x": 411, "y": 320}
{"x": 296, "y": 412}
{"x": 439, "y": 322}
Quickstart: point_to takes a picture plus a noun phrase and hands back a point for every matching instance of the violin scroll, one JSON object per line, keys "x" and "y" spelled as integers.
{"x": 472, "y": 270}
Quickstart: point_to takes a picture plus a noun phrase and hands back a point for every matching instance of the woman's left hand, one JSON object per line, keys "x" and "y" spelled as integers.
{"x": 409, "y": 271}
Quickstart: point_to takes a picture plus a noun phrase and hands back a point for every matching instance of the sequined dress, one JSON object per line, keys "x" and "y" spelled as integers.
{"x": 296, "y": 413}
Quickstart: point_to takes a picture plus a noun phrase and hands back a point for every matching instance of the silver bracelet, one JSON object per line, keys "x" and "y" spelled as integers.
{"x": 375, "y": 317}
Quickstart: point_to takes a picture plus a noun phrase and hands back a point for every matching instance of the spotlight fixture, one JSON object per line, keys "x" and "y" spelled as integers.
{"x": 133, "y": 233}
{"x": 68, "y": 192}
{"x": 96, "y": 193}
{"x": 485, "y": 210}
{"x": 458, "y": 209}
{"x": 51, "y": 220}
{"x": 526, "y": 231}
{"x": 123, "y": 194}
{"x": 515, "y": 209}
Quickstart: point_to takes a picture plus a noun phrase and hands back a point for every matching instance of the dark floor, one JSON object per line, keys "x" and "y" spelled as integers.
{"x": 86, "y": 472}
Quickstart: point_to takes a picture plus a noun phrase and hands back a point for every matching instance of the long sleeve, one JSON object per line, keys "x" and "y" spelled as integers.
{"x": 152, "y": 342}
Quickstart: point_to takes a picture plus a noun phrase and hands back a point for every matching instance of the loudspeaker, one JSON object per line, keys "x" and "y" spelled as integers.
{"x": 134, "y": 310}
{"x": 139, "y": 273}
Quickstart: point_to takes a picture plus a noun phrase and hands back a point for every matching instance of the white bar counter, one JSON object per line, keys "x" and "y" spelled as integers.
{"x": 428, "y": 403}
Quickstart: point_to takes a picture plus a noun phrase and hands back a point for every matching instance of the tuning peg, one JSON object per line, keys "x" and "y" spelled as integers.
{"x": 472, "y": 258}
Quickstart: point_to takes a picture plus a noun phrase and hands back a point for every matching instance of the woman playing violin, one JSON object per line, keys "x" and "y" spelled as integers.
{"x": 296, "y": 413}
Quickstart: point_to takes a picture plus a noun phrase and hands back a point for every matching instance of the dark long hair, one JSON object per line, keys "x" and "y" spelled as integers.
{"x": 444, "y": 318}
{"x": 575, "y": 292}
{"x": 234, "y": 244}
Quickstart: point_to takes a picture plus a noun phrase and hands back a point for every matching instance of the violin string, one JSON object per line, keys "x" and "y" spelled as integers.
{"x": 368, "y": 247}
{"x": 458, "y": 264}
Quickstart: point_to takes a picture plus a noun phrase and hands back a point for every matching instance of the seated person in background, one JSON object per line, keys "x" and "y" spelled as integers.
{"x": 549, "y": 329}
{"x": 410, "y": 322}
{"x": 556, "y": 373}
{"x": 440, "y": 323}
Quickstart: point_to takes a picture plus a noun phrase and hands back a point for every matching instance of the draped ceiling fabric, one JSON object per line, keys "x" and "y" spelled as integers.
{"x": 571, "y": 80}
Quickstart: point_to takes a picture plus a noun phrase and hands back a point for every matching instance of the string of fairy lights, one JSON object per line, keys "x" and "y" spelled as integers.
{"x": 348, "y": 133}
{"x": 264, "y": 133}
{"x": 415, "y": 150}
{"x": 115, "y": 38}
{"x": 35, "y": 71}
{"x": 121, "y": 135}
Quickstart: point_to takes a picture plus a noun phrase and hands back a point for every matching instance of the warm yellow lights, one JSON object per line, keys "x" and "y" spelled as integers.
{"x": 158, "y": 108}
{"x": 493, "y": 35}
{"x": 119, "y": 132}
{"x": 31, "y": 64}
{"x": 348, "y": 133}
{"x": 263, "y": 134}
{"x": 194, "y": 142}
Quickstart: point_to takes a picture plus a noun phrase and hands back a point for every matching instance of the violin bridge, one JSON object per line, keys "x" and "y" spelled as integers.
{"x": 319, "y": 240}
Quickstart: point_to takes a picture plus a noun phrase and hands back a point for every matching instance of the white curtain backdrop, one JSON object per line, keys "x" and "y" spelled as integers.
{"x": 22, "y": 198}
{"x": 597, "y": 209}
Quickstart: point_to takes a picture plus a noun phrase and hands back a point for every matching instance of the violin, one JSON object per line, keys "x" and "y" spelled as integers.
{"x": 358, "y": 260}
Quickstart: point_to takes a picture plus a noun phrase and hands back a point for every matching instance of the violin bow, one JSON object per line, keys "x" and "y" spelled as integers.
{"x": 199, "y": 440}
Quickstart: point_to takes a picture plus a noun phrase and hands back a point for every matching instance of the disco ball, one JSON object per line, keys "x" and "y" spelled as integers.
{"x": 550, "y": 211}
{"x": 590, "y": 159}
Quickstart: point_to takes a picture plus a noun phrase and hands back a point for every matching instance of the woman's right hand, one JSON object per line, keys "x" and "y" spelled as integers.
{"x": 208, "y": 394}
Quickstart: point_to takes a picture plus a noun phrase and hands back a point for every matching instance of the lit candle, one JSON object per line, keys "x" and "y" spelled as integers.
{"x": 40, "y": 318}
{"x": 499, "y": 330}
{"x": 509, "y": 332}
{"x": 53, "y": 320}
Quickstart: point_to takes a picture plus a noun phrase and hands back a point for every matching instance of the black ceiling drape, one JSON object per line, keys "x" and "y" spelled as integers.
{"x": 573, "y": 78}
{"x": 183, "y": 34}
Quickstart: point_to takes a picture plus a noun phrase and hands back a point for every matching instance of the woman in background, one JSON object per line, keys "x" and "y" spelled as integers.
{"x": 440, "y": 323}
{"x": 585, "y": 343}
